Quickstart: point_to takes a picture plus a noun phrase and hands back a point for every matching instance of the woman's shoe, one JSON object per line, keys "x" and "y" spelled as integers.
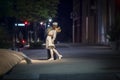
{"x": 50, "y": 59}
{"x": 60, "y": 56}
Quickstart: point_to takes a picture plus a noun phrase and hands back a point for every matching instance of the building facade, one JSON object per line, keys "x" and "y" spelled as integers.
{"x": 91, "y": 20}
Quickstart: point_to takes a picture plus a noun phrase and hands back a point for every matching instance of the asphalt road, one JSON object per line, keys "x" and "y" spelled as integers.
{"x": 78, "y": 63}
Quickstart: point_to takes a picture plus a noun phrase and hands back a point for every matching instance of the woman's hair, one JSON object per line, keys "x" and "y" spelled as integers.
{"x": 54, "y": 26}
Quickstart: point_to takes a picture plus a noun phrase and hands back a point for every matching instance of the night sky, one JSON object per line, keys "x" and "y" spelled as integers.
{"x": 64, "y": 20}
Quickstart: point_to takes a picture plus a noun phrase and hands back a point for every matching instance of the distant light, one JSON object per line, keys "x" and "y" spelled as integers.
{"x": 23, "y": 41}
{"x": 15, "y": 24}
{"x": 25, "y": 22}
{"x": 48, "y": 25}
{"x": 21, "y": 24}
{"x": 41, "y": 23}
{"x": 50, "y": 20}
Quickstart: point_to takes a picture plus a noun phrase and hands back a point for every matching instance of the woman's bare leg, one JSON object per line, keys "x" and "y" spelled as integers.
{"x": 59, "y": 55}
{"x": 51, "y": 53}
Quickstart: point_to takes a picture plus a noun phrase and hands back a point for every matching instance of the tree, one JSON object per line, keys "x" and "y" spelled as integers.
{"x": 5, "y": 41}
{"x": 5, "y": 7}
{"x": 33, "y": 10}
{"x": 30, "y": 10}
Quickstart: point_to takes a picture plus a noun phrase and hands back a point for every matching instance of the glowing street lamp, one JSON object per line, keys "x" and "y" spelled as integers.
{"x": 48, "y": 25}
{"x": 41, "y": 23}
{"x": 50, "y": 19}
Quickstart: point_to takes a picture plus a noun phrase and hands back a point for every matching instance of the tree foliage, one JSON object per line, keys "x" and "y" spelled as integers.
{"x": 29, "y": 9}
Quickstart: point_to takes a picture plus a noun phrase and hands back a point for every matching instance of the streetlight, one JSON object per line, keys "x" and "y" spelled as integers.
{"x": 50, "y": 20}
{"x": 48, "y": 25}
{"x": 41, "y": 23}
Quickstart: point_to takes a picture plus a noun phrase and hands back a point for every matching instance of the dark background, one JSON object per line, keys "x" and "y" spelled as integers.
{"x": 64, "y": 20}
